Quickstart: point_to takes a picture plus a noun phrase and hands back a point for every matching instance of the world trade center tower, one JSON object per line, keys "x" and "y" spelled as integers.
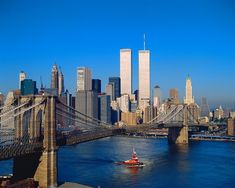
{"x": 126, "y": 71}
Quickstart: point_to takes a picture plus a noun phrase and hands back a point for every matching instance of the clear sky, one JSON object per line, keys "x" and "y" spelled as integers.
{"x": 195, "y": 37}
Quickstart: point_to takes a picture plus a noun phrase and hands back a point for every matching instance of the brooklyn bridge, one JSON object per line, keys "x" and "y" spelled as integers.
{"x": 33, "y": 127}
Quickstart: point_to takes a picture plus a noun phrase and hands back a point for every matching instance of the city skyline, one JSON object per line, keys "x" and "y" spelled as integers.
{"x": 190, "y": 46}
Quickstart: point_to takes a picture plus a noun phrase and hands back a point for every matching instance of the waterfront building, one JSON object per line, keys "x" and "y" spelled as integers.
{"x": 126, "y": 71}
{"x": 174, "y": 96}
{"x": 110, "y": 90}
{"x": 28, "y": 87}
{"x": 144, "y": 79}
{"x": 84, "y": 79}
{"x": 104, "y": 108}
{"x": 96, "y": 85}
{"x": 129, "y": 118}
{"x": 54, "y": 78}
{"x": 117, "y": 87}
{"x": 157, "y": 96}
{"x": 188, "y": 92}
{"x": 231, "y": 126}
{"x": 61, "y": 83}
{"x": 147, "y": 115}
{"x": 22, "y": 76}
{"x": 219, "y": 113}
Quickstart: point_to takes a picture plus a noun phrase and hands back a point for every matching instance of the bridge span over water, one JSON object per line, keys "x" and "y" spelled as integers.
{"x": 32, "y": 129}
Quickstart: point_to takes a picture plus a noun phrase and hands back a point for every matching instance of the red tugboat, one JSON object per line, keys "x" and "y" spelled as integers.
{"x": 133, "y": 162}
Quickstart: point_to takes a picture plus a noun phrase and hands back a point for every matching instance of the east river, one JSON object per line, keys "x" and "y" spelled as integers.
{"x": 200, "y": 164}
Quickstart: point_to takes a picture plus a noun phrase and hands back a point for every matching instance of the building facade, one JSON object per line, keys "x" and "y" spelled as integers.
{"x": 96, "y": 85}
{"x": 104, "y": 108}
{"x": 28, "y": 87}
{"x": 116, "y": 81}
{"x": 22, "y": 76}
{"x": 174, "y": 96}
{"x": 189, "y": 99}
{"x": 84, "y": 79}
{"x": 110, "y": 90}
{"x": 126, "y": 71}
{"x": 54, "y": 77}
{"x": 87, "y": 103}
{"x": 144, "y": 78}
{"x": 157, "y": 96}
{"x": 61, "y": 83}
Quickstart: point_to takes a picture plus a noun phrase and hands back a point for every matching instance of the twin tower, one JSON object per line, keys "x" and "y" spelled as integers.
{"x": 144, "y": 75}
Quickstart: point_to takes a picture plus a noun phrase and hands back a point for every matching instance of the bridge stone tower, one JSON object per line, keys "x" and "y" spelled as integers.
{"x": 179, "y": 135}
{"x": 41, "y": 165}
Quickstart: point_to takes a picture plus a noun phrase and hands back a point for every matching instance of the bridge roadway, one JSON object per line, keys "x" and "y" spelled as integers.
{"x": 18, "y": 148}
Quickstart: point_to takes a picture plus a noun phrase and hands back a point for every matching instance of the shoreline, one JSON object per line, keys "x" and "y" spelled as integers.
{"x": 193, "y": 139}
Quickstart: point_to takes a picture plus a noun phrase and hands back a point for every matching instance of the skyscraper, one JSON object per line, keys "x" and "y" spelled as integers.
{"x": 157, "y": 96}
{"x": 28, "y": 87}
{"x": 61, "y": 83}
{"x": 110, "y": 90}
{"x": 96, "y": 85}
{"x": 84, "y": 77}
{"x": 188, "y": 92}
{"x": 126, "y": 71}
{"x": 22, "y": 76}
{"x": 54, "y": 77}
{"x": 104, "y": 108}
{"x": 174, "y": 96}
{"x": 87, "y": 103}
{"x": 144, "y": 78}
{"x": 116, "y": 81}
{"x": 205, "y": 110}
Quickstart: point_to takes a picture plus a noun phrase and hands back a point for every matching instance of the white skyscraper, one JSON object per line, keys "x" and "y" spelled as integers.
{"x": 144, "y": 78}
{"x": 84, "y": 79}
{"x": 22, "y": 77}
{"x": 188, "y": 92}
{"x": 126, "y": 71}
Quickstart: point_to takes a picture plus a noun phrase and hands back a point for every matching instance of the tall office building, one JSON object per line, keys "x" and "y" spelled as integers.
{"x": 144, "y": 78}
{"x": 87, "y": 103}
{"x": 104, "y": 108}
{"x": 96, "y": 85}
{"x": 61, "y": 83}
{"x": 54, "y": 78}
{"x": 174, "y": 96}
{"x": 124, "y": 103}
{"x": 188, "y": 92}
{"x": 22, "y": 76}
{"x": 116, "y": 82}
{"x": 28, "y": 87}
{"x": 84, "y": 77}
{"x": 126, "y": 71}
{"x": 110, "y": 91}
{"x": 157, "y": 96}
{"x": 205, "y": 110}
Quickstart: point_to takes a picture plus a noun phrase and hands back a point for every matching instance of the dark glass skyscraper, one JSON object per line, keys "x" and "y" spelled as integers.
{"x": 96, "y": 85}
{"x": 104, "y": 108}
{"x": 117, "y": 86}
{"x": 28, "y": 87}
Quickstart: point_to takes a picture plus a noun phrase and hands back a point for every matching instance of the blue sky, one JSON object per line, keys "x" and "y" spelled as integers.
{"x": 195, "y": 37}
